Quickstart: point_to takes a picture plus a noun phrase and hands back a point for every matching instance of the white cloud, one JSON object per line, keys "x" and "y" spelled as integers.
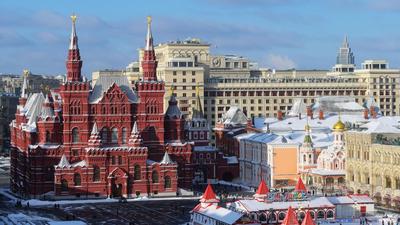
{"x": 279, "y": 61}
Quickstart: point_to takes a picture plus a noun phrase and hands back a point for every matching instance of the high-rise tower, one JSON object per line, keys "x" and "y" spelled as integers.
{"x": 344, "y": 59}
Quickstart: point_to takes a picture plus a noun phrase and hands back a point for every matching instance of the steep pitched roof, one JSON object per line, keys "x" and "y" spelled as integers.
{"x": 173, "y": 109}
{"x": 63, "y": 162}
{"x": 290, "y": 218}
{"x": 166, "y": 159}
{"x": 262, "y": 190}
{"x": 308, "y": 220}
{"x": 234, "y": 116}
{"x": 104, "y": 82}
{"x": 94, "y": 129}
{"x": 209, "y": 195}
{"x": 300, "y": 187}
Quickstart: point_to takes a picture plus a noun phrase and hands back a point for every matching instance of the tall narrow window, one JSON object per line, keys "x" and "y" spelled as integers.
{"x": 119, "y": 160}
{"x": 124, "y": 135}
{"x": 47, "y": 136}
{"x": 114, "y": 135}
{"x": 96, "y": 173}
{"x": 167, "y": 183}
{"x": 64, "y": 185}
{"x": 77, "y": 179}
{"x": 154, "y": 177}
{"x": 75, "y": 135}
{"x": 137, "y": 172}
{"x": 104, "y": 135}
{"x": 113, "y": 160}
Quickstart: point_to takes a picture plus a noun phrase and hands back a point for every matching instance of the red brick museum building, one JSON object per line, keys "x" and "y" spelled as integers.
{"x": 111, "y": 138}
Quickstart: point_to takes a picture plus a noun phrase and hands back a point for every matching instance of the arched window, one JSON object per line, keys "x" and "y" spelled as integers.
{"x": 272, "y": 217}
{"x": 124, "y": 135}
{"x": 137, "y": 172}
{"x": 119, "y": 160}
{"x": 154, "y": 176}
{"x": 77, "y": 179}
{"x": 114, "y": 135}
{"x": 104, "y": 135}
{"x": 113, "y": 160}
{"x": 96, "y": 173}
{"x": 167, "y": 183}
{"x": 48, "y": 136}
{"x": 304, "y": 158}
{"x": 329, "y": 214}
{"x": 321, "y": 214}
{"x": 262, "y": 217}
{"x": 75, "y": 135}
{"x": 282, "y": 216}
{"x": 64, "y": 185}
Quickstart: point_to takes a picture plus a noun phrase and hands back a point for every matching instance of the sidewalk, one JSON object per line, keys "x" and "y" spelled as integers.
{"x": 36, "y": 202}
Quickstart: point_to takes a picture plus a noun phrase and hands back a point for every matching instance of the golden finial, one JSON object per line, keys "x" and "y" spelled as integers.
{"x": 148, "y": 20}
{"x": 73, "y": 18}
{"x": 26, "y": 72}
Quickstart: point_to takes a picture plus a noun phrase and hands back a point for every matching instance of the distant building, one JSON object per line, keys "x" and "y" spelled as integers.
{"x": 36, "y": 83}
{"x": 8, "y": 107}
{"x": 373, "y": 160}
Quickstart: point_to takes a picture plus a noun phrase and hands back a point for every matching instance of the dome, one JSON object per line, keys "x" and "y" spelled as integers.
{"x": 339, "y": 125}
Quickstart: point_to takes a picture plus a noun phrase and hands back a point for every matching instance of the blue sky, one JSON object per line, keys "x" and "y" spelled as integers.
{"x": 304, "y": 34}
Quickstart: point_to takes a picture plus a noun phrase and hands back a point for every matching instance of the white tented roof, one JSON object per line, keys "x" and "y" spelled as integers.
{"x": 234, "y": 116}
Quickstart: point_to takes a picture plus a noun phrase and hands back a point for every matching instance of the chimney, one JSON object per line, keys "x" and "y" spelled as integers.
{"x": 280, "y": 115}
{"x": 366, "y": 114}
{"x": 309, "y": 112}
{"x": 321, "y": 114}
{"x": 372, "y": 111}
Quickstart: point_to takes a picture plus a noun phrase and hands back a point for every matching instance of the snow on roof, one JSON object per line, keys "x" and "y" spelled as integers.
{"x": 32, "y": 110}
{"x": 104, "y": 82}
{"x": 63, "y": 162}
{"x": 251, "y": 205}
{"x": 231, "y": 159}
{"x": 69, "y": 222}
{"x": 320, "y": 139}
{"x": 340, "y": 200}
{"x": 282, "y": 140}
{"x": 296, "y": 124}
{"x": 299, "y": 107}
{"x": 326, "y": 172}
{"x": 336, "y": 104}
{"x": 218, "y": 213}
{"x": 382, "y": 125}
{"x": 80, "y": 164}
{"x": 234, "y": 116}
{"x": 361, "y": 199}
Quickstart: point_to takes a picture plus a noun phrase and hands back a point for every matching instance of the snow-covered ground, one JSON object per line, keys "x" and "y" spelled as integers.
{"x": 37, "y": 202}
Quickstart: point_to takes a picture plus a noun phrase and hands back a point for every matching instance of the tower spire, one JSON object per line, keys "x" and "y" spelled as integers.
{"x": 149, "y": 37}
{"x": 198, "y": 111}
{"x": 74, "y": 62}
{"x": 24, "y": 91}
{"x": 74, "y": 39}
{"x": 345, "y": 42}
{"x": 149, "y": 63}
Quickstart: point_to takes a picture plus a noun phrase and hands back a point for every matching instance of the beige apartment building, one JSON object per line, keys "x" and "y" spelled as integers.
{"x": 373, "y": 161}
{"x": 227, "y": 80}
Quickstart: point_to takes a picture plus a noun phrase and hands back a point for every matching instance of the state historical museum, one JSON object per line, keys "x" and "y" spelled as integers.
{"x": 104, "y": 140}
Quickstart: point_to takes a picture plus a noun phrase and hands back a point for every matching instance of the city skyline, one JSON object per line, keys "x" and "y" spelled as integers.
{"x": 275, "y": 34}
